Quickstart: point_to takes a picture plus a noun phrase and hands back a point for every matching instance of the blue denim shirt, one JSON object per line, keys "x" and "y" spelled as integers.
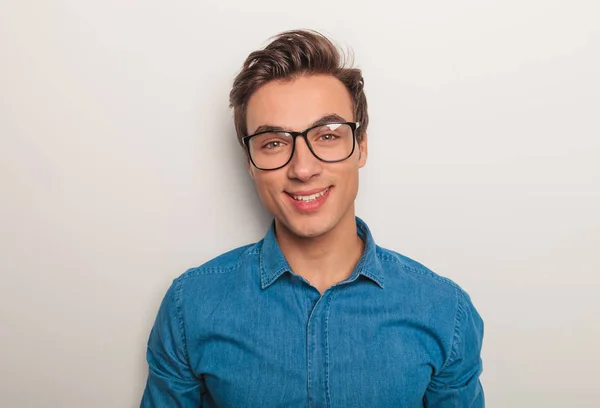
{"x": 244, "y": 331}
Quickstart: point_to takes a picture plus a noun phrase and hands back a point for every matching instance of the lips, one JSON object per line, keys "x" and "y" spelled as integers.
{"x": 309, "y": 201}
{"x": 309, "y": 197}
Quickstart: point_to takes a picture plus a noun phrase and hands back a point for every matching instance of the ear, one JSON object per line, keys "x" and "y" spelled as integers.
{"x": 363, "y": 151}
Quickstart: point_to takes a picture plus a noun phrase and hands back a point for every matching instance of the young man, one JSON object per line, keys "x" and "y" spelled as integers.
{"x": 315, "y": 314}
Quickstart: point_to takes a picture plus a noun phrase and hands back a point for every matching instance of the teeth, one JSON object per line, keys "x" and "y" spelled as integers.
{"x": 310, "y": 197}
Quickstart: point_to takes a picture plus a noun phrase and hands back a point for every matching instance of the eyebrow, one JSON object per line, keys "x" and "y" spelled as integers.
{"x": 332, "y": 117}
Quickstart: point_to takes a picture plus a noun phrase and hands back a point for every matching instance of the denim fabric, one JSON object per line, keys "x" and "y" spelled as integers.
{"x": 244, "y": 331}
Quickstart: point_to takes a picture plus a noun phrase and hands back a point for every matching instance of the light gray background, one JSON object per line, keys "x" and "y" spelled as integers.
{"x": 119, "y": 170}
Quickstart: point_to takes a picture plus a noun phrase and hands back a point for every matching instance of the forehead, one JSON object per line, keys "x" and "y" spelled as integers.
{"x": 295, "y": 104}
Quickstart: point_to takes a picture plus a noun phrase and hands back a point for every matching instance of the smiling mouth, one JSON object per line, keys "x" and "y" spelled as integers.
{"x": 309, "y": 198}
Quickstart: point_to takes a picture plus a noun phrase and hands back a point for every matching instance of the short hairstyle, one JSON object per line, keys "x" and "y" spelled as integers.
{"x": 289, "y": 55}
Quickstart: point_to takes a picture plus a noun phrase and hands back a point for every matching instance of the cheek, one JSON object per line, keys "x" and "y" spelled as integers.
{"x": 266, "y": 186}
{"x": 350, "y": 179}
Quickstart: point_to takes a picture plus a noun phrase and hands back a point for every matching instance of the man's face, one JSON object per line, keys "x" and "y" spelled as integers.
{"x": 294, "y": 106}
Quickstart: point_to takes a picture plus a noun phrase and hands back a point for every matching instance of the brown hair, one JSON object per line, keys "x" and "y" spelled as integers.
{"x": 289, "y": 55}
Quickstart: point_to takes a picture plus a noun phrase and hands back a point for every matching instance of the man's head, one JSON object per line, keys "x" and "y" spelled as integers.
{"x": 299, "y": 82}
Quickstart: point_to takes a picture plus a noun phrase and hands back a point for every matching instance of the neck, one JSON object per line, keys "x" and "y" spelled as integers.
{"x": 324, "y": 260}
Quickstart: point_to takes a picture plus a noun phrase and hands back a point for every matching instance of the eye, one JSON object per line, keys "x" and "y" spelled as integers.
{"x": 273, "y": 144}
{"x": 328, "y": 137}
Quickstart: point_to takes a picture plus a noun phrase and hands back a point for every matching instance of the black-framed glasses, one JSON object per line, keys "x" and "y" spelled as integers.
{"x": 328, "y": 142}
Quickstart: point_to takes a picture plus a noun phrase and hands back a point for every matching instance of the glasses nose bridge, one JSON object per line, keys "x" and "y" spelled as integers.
{"x": 304, "y": 136}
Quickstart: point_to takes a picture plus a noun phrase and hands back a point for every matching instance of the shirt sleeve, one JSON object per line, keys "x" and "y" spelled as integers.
{"x": 457, "y": 384}
{"x": 171, "y": 382}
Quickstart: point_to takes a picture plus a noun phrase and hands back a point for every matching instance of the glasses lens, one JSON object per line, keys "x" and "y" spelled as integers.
{"x": 271, "y": 150}
{"x": 332, "y": 142}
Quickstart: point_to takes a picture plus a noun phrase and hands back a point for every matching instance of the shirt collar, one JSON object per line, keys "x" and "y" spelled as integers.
{"x": 273, "y": 263}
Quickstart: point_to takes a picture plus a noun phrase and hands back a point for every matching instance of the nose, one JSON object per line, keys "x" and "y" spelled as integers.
{"x": 303, "y": 165}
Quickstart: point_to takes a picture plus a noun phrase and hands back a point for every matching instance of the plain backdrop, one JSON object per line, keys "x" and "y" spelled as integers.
{"x": 119, "y": 169}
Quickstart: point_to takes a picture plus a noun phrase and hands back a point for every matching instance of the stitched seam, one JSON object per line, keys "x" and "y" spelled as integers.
{"x": 377, "y": 279}
{"x": 458, "y": 320}
{"x": 262, "y": 268}
{"x": 190, "y": 273}
{"x": 307, "y": 348}
{"x": 308, "y": 358}
{"x": 207, "y": 270}
{"x": 276, "y": 275}
{"x": 265, "y": 281}
{"x": 179, "y": 311}
{"x": 421, "y": 271}
{"x": 328, "y": 395}
{"x": 363, "y": 268}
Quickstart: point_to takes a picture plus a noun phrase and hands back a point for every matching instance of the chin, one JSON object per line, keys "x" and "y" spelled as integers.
{"x": 309, "y": 227}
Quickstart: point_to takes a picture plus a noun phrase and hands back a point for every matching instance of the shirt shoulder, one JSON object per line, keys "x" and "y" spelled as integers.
{"x": 402, "y": 270}
{"x": 224, "y": 263}
{"x": 203, "y": 288}
{"x": 429, "y": 294}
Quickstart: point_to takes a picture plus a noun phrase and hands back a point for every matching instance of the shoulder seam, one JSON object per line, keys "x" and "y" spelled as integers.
{"x": 456, "y": 335}
{"x": 207, "y": 270}
{"x": 421, "y": 271}
{"x": 179, "y": 311}
{"x": 200, "y": 270}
